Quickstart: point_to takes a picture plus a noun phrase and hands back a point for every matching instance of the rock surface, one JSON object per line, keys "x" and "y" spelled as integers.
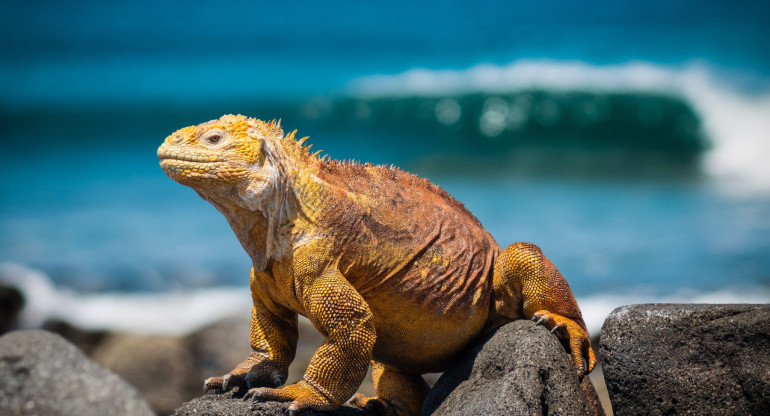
{"x": 43, "y": 374}
{"x": 688, "y": 359}
{"x": 232, "y": 403}
{"x": 521, "y": 369}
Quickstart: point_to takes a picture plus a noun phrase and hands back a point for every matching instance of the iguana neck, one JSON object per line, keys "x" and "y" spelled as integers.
{"x": 271, "y": 215}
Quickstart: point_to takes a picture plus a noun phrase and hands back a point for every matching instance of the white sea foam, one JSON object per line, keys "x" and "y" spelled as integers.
{"x": 165, "y": 312}
{"x": 183, "y": 312}
{"x": 738, "y": 124}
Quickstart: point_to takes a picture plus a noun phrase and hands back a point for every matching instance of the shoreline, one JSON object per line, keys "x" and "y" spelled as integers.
{"x": 184, "y": 312}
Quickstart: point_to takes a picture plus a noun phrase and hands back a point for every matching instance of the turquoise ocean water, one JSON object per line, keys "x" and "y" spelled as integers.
{"x": 629, "y": 141}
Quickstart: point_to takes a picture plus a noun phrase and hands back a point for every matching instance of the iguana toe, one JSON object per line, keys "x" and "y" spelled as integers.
{"x": 226, "y": 381}
{"x": 222, "y": 383}
{"x": 558, "y": 328}
{"x": 214, "y": 383}
{"x": 301, "y": 394}
{"x": 371, "y": 405}
{"x": 253, "y": 380}
{"x": 575, "y": 337}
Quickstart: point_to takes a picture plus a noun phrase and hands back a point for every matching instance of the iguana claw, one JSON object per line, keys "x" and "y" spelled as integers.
{"x": 251, "y": 379}
{"x": 371, "y": 405}
{"x": 557, "y": 327}
{"x": 226, "y": 381}
{"x": 301, "y": 395}
{"x": 213, "y": 383}
{"x": 574, "y": 335}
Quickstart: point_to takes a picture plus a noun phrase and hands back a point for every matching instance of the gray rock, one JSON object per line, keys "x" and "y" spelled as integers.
{"x": 232, "y": 403}
{"x": 520, "y": 369}
{"x": 42, "y": 374}
{"x": 688, "y": 359}
{"x": 219, "y": 347}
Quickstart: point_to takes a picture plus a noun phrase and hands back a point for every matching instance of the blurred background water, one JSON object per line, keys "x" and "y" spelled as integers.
{"x": 629, "y": 141}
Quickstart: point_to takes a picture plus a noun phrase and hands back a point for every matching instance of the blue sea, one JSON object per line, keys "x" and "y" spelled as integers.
{"x": 629, "y": 141}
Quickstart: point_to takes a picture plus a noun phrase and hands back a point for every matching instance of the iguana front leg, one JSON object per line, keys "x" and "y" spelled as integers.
{"x": 339, "y": 365}
{"x": 526, "y": 281}
{"x": 273, "y": 338}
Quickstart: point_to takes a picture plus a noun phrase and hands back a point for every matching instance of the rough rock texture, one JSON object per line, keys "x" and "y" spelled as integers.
{"x": 688, "y": 359}
{"x": 521, "y": 369}
{"x": 231, "y": 403}
{"x": 161, "y": 368}
{"x": 42, "y": 374}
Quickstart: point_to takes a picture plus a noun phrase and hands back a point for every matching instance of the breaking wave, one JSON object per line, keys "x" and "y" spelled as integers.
{"x": 640, "y": 106}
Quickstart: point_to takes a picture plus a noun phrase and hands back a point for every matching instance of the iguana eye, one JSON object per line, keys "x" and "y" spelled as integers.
{"x": 213, "y": 137}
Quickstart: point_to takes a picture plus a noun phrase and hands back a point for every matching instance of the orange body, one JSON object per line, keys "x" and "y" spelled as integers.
{"x": 387, "y": 266}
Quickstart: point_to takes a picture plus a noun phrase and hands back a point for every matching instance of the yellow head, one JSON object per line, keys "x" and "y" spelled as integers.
{"x": 227, "y": 150}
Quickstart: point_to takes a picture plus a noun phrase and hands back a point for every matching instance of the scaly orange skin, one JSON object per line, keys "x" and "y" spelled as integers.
{"x": 387, "y": 266}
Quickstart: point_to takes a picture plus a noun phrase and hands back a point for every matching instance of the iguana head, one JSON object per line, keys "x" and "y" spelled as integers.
{"x": 222, "y": 156}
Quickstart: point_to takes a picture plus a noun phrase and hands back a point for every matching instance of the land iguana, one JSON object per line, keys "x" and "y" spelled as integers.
{"x": 389, "y": 267}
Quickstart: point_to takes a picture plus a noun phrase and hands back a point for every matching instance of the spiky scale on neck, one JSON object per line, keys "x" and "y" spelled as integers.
{"x": 272, "y": 190}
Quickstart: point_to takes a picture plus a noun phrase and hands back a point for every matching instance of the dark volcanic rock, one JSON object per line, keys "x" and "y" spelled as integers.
{"x": 688, "y": 359}
{"x": 42, "y": 374}
{"x": 520, "y": 369}
{"x": 231, "y": 403}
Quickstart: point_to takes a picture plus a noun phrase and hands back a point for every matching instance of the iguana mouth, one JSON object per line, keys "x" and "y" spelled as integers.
{"x": 164, "y": 154}
{"x": 183, "y": 165}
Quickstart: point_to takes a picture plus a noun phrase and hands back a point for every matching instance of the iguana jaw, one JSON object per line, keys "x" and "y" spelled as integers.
{"x": 187, "y": 167}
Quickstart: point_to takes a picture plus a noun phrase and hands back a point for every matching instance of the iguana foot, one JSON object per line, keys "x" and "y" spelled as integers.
{"x": 372, "y": 405}
{"x": 398, "y": 393}
{"x": 578, "y": 342}
{"x": 301, "y": 394}
{"x": 254, "y": 371}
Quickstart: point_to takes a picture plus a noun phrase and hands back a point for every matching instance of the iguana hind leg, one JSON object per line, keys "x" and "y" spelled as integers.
{"x": 398, "y": 393}
{"x": 525, "y": 281}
